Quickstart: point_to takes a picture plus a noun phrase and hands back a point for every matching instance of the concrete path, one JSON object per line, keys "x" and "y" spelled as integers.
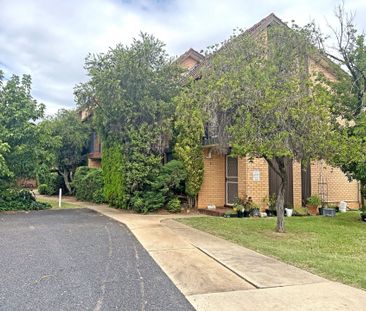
{"x": 215, "y": 274}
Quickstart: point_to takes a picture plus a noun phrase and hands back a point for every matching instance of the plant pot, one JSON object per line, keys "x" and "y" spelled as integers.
{"x": 255, "y": 212}
{"x": 246, "y": 214}
{"x": 312, "y": 209}
{"x": 363, "y": 217}
{"x": 289, "y": 212}
{"x": 321, "y": 210}
{"x": 330, "y": 212}
{"x": 269, "y": 212}
{"x": 240, "y": 214}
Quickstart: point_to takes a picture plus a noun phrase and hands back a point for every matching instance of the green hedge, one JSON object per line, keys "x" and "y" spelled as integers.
{"x": 88, "y": 184}
{"x": 20, "y": 199}
{"x": 114, "y": 177}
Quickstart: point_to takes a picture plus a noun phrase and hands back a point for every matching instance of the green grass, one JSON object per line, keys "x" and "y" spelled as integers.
{"x": 333, "y": 247}
{"x": 54, "y": 203}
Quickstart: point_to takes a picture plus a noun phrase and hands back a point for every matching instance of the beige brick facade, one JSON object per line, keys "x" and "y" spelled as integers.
{"x": 213, "y": 187}
{"x": 336, "y": 184}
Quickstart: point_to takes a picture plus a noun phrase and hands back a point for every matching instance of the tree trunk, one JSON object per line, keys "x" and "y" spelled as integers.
{"x": 280, "y": 227}
{"x": 280, "y": 202}
{"x": 65, "y": 175}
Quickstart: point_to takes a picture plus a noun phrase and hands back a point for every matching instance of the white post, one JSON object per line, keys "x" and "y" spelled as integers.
{"x": 59, "y": 197}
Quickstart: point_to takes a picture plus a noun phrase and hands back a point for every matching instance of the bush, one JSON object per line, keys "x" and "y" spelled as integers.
{"x": 51, "y": 182}
{"x": 301, "y": 211}
{"x": 114, "y": 176}
{"x": 88, "y": 184}
{"x": 43, "y": 189}
{"x": 149, "y": 201}
{"x": 20, "y": 199}
{"x": 173, "y": 205}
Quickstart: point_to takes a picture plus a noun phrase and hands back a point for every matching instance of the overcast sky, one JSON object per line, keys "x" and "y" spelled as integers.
{"x": 50, "y": 39}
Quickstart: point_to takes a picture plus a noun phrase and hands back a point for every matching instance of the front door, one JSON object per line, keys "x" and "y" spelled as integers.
{"x": 275, "y": 181}
{"x": 231, "y": 180}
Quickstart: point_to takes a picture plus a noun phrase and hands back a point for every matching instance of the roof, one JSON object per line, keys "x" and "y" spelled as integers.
{"x": 271, "y": 19}
{"x": 192, "y": 54}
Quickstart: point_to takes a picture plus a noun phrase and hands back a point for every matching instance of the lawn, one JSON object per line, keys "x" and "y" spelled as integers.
{"x": 54, "y": 203}
{"x": 333, "y": 247}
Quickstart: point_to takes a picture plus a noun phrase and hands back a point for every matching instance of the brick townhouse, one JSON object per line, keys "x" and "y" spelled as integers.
{"x": 226, "y": 178}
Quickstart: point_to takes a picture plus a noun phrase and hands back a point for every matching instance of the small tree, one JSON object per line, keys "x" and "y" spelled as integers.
{"x": 190, "y": 130}
{"x": 269, "y": 105}
{"x": 64, "y": 137}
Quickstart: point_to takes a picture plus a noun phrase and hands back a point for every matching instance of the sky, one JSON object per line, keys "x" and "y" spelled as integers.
{"x": 50, "y": 39}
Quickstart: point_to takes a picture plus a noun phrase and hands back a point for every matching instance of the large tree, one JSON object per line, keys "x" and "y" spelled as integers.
{"x": 130, "y": 92}
{"x": 63, "y": 141}
{"x": 261, "y": 100}
{"x": 18, "y": 131}
{"x": 346, "y": 46}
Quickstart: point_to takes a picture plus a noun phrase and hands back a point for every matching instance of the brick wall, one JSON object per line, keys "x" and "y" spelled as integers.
{"x": 213, "y": 186}
{"x": 258, "y": 190}
{"x": 94, "y": 163}
{"x": 297, "y": 191}
{"x": 339, "y": 188}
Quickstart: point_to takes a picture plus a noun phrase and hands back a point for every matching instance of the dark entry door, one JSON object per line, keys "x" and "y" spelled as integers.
{"x": 231, "y": 180}
{"x": 275, "y": 181}
{"x": 305, "y": 182}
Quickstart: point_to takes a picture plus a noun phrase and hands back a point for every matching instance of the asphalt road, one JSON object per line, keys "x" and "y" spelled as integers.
{"x": 78, "y": 260}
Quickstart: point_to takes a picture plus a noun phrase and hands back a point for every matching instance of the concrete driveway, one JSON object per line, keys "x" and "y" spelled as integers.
{"x": 78, "y": 260}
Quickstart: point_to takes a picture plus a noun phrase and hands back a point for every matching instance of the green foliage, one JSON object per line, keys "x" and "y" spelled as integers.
{"x": 130, "y": 93}
{"x": 18, "y": 131}
{"x": 173, "y": 205}
{"x": 49, "y": 182}
{"x": 147, "y": 201}
{"x": 188, "y": 148}
{"x": 19, "y": 199}
{"x": 261, "y": 99}
{"x": 63, "y": 138}
{"x": 314, "y": 200}
{"x": 43, "y": 189}
{"x": 160, "y": 189}
{"x": 88, "y": 184}
{"x": 113, "y": 165}
{"x": 171, "y": 179}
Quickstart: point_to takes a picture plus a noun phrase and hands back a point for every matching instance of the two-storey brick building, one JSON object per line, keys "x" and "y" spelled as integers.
{"x": 226, "y": 178}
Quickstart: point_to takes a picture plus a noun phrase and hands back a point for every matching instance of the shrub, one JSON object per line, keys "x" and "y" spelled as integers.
{"x": 301, "y": 211}
{"x": 114, "y": 177}
{"x": 20, "y": 199}
{"x": 88, "y": 184}
{"x": 148, "y": 201}
{"x": 43, "y": 189}
{"x": 173, "y": 205}
{"x": 171, "y": 179}
{"x": 52, "y": 180}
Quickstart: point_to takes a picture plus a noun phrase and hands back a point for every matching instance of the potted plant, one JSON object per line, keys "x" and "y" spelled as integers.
{"x": 313, "y": 203}
{"x": 271, "y": 209}
{"x": 239, "y": 206}
{"x": 289, "y": 210}
{"x": 363, "y": 214}
{"x": 254, "y": 210}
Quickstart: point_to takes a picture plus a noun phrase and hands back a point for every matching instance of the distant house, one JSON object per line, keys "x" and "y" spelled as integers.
{"x": 226, "y": 178}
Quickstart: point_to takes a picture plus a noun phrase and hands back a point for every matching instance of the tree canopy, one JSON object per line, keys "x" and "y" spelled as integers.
{"x": 259, "y": 98}
{"x": 63, "y": 142}
{"x": 130, "y": 92}
{"x": 18, "y": 132}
